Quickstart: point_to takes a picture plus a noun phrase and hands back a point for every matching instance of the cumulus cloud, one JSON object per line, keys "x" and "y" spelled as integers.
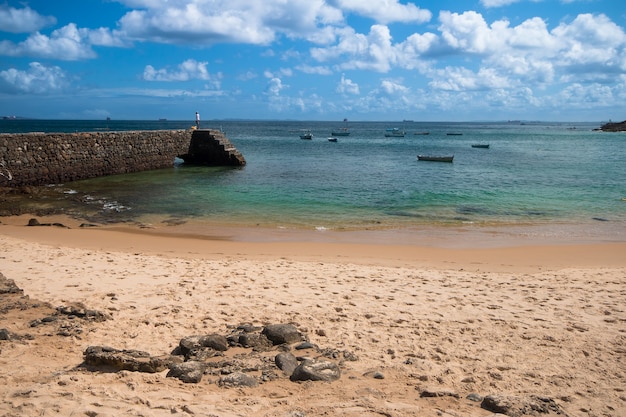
{"x": 274, "y": 86}
{"x": 37, "y": 79}
{"x": 24, "y": 20}
{"x": 347, "y": 86}
{"x": 234, "y": 21}
{"x": 259, "y": 23}
{"x": 366, "y": 52}
{"x": 188, "y": 70}
{"x": 68, "y": 43}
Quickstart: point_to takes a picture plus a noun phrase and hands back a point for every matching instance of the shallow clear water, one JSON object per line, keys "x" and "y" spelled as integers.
{"x": 534, "y": 173}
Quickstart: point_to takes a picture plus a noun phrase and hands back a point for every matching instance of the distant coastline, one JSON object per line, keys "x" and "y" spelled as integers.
{"x": 614, "y": 127}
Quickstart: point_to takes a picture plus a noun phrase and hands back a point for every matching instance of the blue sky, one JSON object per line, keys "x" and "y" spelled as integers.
{"x": 444, "y": 60}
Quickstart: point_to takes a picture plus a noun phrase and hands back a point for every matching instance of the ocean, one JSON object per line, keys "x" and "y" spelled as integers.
{"x": 563, "y": 178}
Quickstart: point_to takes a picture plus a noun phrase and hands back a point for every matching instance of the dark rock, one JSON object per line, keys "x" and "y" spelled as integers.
{"x": 286, "y": 362}
{"x": 129, "y": 360}
{"x": 282, "y": 333}
{"x": 5, "y": 334}
{"x": 8, "y": 286}
{"x": 305, "y": 345}
{"x": 80, "y": 311}
{"x": 214, "y": 341}
{"x": 518, "y": 407}
{"x": 188, "y": 372}
{"x": 35, "y": 222}
{"x": 238, "y": 379}
{"x": 312, "y": 370}
{"x": 474, "y": 397}
{"x": 255, "y": 341}
{"x": 188, "y": 343}
{"x": 614, "y": 127}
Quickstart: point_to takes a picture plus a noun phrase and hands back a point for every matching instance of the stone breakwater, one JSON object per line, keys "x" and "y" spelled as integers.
{"x": 54, "y": 158}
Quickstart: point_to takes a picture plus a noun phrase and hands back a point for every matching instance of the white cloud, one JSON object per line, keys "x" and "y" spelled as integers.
{"x": 188, "y": 70}
{"x": 68, "y": 43}
{"x": 202, "y": 22}
{"x": 38, "y": 79}
{"x": 318, "y": 69}
{"x": 235, "y": 21}
{"x": 497, "y": 3}
{"x": 392, "y": 88}
{"x": 386, "y": 11}
{"x": 274, "y": 86}
{"x": 24, "y": 20}
{"x": 346, "y": 86}
{"x": 371, "y": 52}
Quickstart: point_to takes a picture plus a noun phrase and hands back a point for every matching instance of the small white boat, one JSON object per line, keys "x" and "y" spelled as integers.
{"x": 395, "y": 133}
{"x": 306, "y": 134}
{"x": 331, "y": 139}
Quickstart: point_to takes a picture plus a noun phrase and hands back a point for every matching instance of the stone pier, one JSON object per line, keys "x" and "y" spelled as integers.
{"x": 53, "y": 158}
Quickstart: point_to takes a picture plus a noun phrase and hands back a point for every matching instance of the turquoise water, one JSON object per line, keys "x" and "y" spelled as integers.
{"x": 536, "y": 173}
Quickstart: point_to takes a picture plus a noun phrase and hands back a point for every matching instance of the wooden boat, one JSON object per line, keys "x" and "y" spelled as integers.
{"x": 306, "y": 134}
{"x": 435, "y": 158}
{"x": 332, "y": 139}
{"x": 454, "y": 134}
{"x": 421, "y": 133}
{"x": 481, "y": 145}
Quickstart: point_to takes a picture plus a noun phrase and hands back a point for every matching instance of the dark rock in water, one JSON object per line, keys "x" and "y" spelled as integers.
{"x": 238, "y": 379}
{"x": 282, "y": 333}
{"x": 312, "y": 370}
{"x": 517, "y": 406}
{"x": 614, "y": 127}
{"x": 286, "y": 362}
{"x": 188, "y": 372}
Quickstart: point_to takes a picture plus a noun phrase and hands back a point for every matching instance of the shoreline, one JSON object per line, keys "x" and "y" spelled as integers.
{"x": 512, "y": 249}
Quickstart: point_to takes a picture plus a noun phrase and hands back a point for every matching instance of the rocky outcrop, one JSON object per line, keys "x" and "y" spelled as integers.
{"x": 200, "y": 355}
{"x": 520, "y": 406}
{"x": 614, "y": 127}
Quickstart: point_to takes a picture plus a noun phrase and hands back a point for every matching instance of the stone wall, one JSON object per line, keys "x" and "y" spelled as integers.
{"x": 54, "y": 158}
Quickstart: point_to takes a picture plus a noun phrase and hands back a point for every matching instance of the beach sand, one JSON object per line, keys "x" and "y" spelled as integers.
{"x": 414, "y": 329}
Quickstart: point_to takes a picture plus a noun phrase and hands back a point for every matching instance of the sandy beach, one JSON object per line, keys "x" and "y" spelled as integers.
{"x": 415, "y": 330}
